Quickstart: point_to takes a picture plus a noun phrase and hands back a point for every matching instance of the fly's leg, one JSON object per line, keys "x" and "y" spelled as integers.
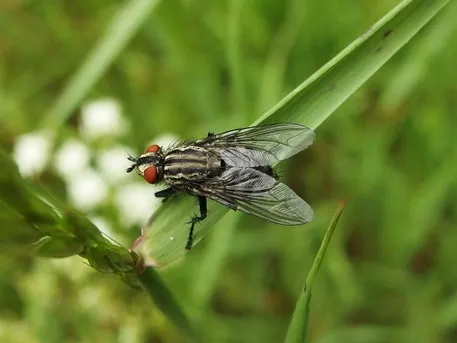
{"x": 166, "y": 193}
{"x": 196, "y": 219}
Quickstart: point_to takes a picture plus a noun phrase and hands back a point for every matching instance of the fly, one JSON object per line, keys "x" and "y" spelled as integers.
{"x": 233, "y": 168}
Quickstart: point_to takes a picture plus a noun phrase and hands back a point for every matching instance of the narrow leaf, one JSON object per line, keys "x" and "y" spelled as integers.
{"x": 299, "y": 324}
{"x": 321, "y": 94}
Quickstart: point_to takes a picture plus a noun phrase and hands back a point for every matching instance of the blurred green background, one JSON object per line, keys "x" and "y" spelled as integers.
{"x": 196, "y": 66}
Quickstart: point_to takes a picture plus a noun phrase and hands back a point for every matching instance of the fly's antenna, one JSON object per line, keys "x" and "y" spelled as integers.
{"x": 133, "y": 166}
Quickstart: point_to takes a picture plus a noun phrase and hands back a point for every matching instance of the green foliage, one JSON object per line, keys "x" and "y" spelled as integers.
{"x": 298, "y": 327}
{"x": 67, "y": 232}
{"x": 308, "y": 104}
{"x": 194, "y": 66}
{"x": 165, "y": 301}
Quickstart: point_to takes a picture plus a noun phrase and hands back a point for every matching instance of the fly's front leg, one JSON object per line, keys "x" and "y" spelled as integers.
{"x": 196, "y": 219}
{"x": 166, "y": 193}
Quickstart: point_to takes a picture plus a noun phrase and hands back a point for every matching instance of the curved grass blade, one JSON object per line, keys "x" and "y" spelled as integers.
{"x": 174, "y": 237}
{"x": 160, "y": 294}
{"x": 299, "y": 324}
{"x": 409, "y": 73}
{"x": 322, "y": 93}
{"x": 309, "y": 104}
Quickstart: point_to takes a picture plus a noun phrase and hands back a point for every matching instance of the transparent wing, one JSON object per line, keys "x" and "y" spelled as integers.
{"x": 257, "y": 193}
{"x": 259, "y": 145}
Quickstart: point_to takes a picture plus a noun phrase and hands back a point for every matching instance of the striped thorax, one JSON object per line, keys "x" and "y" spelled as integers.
{"x": 190, "y": 163}
{"x": 177, "y": 166}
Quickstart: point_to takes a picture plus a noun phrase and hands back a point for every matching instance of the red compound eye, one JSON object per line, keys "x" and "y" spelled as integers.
{"x": 150, "y": 174}
{"x": 153, "y": 148}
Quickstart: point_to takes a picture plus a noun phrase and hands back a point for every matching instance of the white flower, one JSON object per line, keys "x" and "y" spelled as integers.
{"x": 136, "y": 202}
{"x": 31, "y": 152}
{"x": 101, "y": 118}
{"x": 72, "y": 157}
{"x": 86, "y": 189}
{"x": 113, "y": 162}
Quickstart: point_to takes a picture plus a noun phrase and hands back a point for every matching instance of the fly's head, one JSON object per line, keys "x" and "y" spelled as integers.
{"x": 149, "y": 164}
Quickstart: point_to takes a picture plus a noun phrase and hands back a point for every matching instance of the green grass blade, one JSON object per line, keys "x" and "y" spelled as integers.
{"x": 410, "y": 72}
{"x": 166, "y": 233}
{"x": 309, "y": 104}
{"x": 299, "y": 324}
{"x": 321, "y": 94}
{"x": 125, "y": 24}
{"x": 162, "y": 297}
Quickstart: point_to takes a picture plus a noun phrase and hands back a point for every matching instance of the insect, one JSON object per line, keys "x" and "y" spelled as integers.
{"x": 234, "y": 168}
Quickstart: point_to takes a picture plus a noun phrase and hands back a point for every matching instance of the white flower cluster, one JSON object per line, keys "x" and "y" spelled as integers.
{"x": 89, "y": 186}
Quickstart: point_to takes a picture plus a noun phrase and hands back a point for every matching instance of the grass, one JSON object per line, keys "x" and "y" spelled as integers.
{"x": 388, "y": 149}
{"x": 298, "y": 327}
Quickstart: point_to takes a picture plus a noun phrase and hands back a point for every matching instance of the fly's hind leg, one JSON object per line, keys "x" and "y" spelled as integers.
{"x": 194, "y": 220}
{"x": 165, "y": 194}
